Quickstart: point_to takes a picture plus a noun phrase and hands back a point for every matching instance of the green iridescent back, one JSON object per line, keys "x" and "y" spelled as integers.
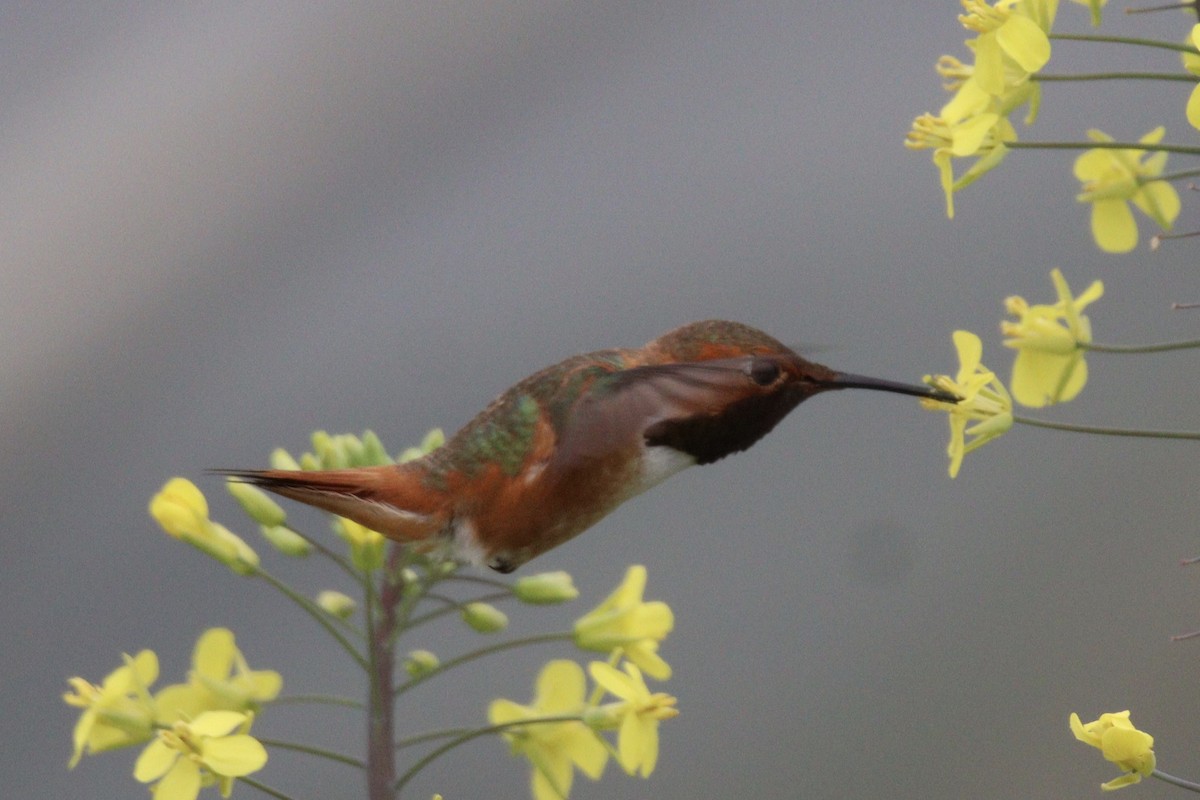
{"x": 503, "y": 433}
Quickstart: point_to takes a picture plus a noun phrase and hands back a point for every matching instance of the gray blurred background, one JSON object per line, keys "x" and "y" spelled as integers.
{"x": 225, "y": 226}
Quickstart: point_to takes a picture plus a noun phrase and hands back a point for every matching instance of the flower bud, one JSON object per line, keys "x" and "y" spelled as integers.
{"x": 420, "y": 663}
{"x": 282, "y": 459}
{"x": 374, "y": 453}
{"x": 336, "y": 603}
{"x": 286, "y": 540}
{"x": 545, "y": 588}
{"x": 484, "y": 617}
{"x": 256, "y": 503}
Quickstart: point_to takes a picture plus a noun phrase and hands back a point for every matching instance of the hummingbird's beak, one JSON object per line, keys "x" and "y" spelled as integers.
{"x": 848, "y": 380}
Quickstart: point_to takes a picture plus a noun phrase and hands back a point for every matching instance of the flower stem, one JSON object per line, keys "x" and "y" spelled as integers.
{"x": 1103, "y": 431}
{"x": 409, "y": 741}
{"x": 1160, "y": 347}
{"x": 336, "y": 558}
{"x": 314, "y": 751}
{"x": 1166, "y": 148}
{"x": 314, "y": 611}
{"x": 1191, "y": 786}
{"x": 1171, "y": 176}
{"x": 474, "y": 654}
{"x": 1091, "y": 37}
{"x": 1153, "y": 9}
{"x": 319, "y": 699}
{"x": 1116, "y": 76}
{"x": 474, "y": 734}
{"x": 382, "y": 630}
{"x": 262, "y": 787}
{"x": 450, "y": 605}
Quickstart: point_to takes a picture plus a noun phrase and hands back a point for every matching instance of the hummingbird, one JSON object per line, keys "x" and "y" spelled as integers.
{"x": 559, "y": 451}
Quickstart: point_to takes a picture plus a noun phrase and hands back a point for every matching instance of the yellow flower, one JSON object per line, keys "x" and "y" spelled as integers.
{"x": 1006, "y": 34}
{"x": 181, "y": 510}
{"x": 985, "y": 402}
{"x": 553, "y": 748}
{"x": 625, "y": 621}
{"x": 1094, "y": 6}
{"x": 963, "y": 129}
{"x": 118, "y": 712}
{"x": 220, "y": 680}
{"x": 1049, "y": 367}
{"x": 189, "y": 755}
{"x": 1120, "y": 743}
{"x": 1112, "y": 178}
{"x": 639, "y": 713}
{"x": 1191, "y": 62}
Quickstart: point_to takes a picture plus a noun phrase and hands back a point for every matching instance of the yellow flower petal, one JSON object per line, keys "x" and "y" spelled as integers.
{"x": 1113, "y": 227}
{"x": 181, "y": 783}
{"x": 154, "y": 761}
{"x": 235, "y": 755}
{"x": 1026, "y": 43}
{"x": 560, "y": 688}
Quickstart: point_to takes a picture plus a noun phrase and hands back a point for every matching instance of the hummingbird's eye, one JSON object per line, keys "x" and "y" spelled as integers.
{"x": 763, "y": 371}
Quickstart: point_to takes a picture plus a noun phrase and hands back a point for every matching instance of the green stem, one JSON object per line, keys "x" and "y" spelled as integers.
{"x": 474, "y": 734}
{"x": 314, "y": 751}
{"x": 1171, "y": 176}
{"x": 409, "y": 741}
{"x": 1091, "y": 37}
{"x": 1115, "y": 76}
{"x": 1150, "y": 148}
{"x": 474, "y": 654}
{"x": 1154, "y": 9}
{"x": 1161, "y": 347}
{"x": 314, "y": 611}
{"x": 318, "y": 699}
{"x": 336, "y": 558}
{"x": 491, "y": 582}
{"x": 452, "y": 605}
{"x": 1191, "y": 786}
{"x": 1142, "y": 434}
{"x": 262, "y": 787}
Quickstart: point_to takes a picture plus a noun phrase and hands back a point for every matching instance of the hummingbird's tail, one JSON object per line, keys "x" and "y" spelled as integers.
{"x": 388, "y": 499}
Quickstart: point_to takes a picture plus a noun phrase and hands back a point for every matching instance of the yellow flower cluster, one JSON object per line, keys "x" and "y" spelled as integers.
{"x": 1050, "y": 340}
{"x": 198, "y": 730}
{"x": 1011, "y": 44}
{"x": 559, "y": 731}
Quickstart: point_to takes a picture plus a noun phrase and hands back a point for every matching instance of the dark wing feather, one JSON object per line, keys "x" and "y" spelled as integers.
{"x": 707, "y": 409}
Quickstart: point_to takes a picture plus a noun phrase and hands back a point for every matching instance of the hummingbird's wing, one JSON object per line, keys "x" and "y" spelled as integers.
{"x": 706, "y": 409}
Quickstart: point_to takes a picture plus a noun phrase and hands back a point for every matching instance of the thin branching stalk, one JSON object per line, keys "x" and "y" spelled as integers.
{"x": 1160, "y": 347}
{"x": 474, "y": 734}
{"x": 314, "y": 611}
{"x": 318, "y": 699}
{"x": 1093, "y": 37}
{"x": 1105, "y": 431}
{"x": 341, "y": 758}
{"x": 485, "y": 651}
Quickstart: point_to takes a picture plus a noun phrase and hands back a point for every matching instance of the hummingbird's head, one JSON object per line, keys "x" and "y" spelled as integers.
{"x": 772, "y": 365}
{"x": 713, "y": 339}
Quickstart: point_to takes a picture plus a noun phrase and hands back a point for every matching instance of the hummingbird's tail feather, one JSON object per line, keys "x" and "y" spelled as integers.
{"x": 387, "y": 499}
